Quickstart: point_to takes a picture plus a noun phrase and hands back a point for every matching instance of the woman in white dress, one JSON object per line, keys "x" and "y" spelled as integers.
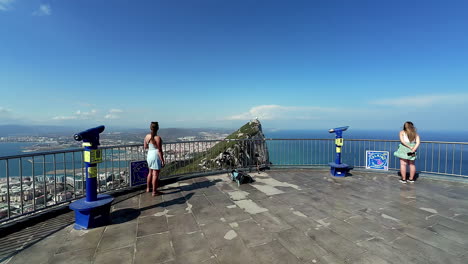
{"x": 155, "y": 157}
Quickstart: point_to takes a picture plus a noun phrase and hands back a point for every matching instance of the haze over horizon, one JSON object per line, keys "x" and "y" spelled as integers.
{"x": 191, "y": 64}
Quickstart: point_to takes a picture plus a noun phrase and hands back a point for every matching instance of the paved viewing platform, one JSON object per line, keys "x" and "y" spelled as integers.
{"x": 286, "y": 216}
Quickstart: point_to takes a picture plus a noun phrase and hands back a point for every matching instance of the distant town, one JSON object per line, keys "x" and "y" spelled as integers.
{"x": 58, "y": 142}
{"x": 26, "y": 193}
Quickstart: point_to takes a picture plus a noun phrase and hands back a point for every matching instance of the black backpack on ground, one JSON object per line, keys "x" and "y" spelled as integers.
{"x": 241, "y": 177}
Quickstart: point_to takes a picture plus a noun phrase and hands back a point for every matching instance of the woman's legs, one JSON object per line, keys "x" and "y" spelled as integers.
{"x": 155, "y": 182}
{"x": 412, "y": 168}
{"x": 148, "y": 180}
{"x": 403, "y": 164}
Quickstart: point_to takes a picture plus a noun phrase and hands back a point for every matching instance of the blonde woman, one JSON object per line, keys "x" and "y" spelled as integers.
{"x": 409, "y": 144}
{"x": 155, "y": 157}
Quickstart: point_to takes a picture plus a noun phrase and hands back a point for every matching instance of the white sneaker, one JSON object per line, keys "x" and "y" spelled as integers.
{"x": 411, "y": 181}
{"x": 402, "y": 181}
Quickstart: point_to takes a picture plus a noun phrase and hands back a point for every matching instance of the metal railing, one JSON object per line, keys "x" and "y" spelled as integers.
{"x": 33, "y": 182}
{"x": 444, "y": 158}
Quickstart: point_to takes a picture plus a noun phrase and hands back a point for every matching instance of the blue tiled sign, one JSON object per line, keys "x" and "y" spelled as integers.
{"x": 138, "y": 172}
{"x": 377, "y": 160}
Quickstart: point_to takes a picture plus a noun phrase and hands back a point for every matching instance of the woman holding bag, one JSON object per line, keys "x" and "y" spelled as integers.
{"x": 409, "y": 143}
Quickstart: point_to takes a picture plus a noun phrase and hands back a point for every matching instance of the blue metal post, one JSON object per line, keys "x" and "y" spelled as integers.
{"x": 338, "y": 153}
{"x": 93, "y": 210}
{"x": 337, "y": 168}
{"x": 91, "y": 180}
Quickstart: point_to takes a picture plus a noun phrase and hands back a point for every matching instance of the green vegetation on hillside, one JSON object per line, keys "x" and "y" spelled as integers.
{"x": 247, "y": 131}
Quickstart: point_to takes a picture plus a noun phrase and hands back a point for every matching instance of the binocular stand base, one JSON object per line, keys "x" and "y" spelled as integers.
{"x": 339, "y": 170}
{"x": 92, "y": 214}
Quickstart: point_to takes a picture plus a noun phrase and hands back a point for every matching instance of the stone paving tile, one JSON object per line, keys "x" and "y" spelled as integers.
{"x": 219, "y": 234}
{"x": 374, "y": 228}
{"x": 220, "y": 200}
{"x": 125, "y": 215}
{"x": 421, "y": 250}
{"x": 293, "y": 216}
{"x": 73, "y": 257}
{"x": 150, "y": 225}
{"x": 172, "y": 194}
{"x": 270, "y": 222}
{"x": 437, "y": 207}
{"x": 182, "y": 224}
{"x": 233, "y": 213}
{"x": 42, "y": 251}
{"x": 451, "y": 223}
{"x": 204, "y": 256}
{"x": 235, "y": 253}
{"x": 133, "y": 202}
{"x": 191, "y": 242}
{"x": 311, "y": 211}
{"x": 207, "y": 215}
{"x": 274, "y": 253}
{"x": 389, "y": 253}
{"x": 256, "y": 195}
{"x": 176, "y": 207}
{"x": 154, "y": 249}
{"x": 146, "y": 199}
{"x": 273, "y": 204}
{"x": 458, "y": 236}
{"x": 212, "y": 190}
{"x": 118, "y": 236}
{"x": 436, "y": 240}
{"x": 328, "y": 259}
{"x": 251, "y": 232}
{"x": 226, "y": 186}
{"x": 203, "y": 210}
{"x": 346, "y": 230}
{"x": 333, "y": 242}
{"x": 81, "y": 239}
{"x": 120, "y": 255}
{"x": 367, "y": 258}
{"x": 300, "y": 245}
{"x": 462, "y": 218}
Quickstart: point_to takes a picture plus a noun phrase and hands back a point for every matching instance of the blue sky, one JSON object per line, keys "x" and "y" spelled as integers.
{"x": 219, "y": 63}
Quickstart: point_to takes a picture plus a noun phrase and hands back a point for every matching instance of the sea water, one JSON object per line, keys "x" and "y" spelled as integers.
{"x": 318, "y": 149}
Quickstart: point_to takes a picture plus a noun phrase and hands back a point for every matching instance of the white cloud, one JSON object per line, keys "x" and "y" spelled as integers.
{"x": 44, "y": 10}
{"x": 5, "y": 5}
{"x": 113, "y": 114}
{"x": 78, "y": 115}
{"x": 64, "y": 117}
{"x": 4, "y": 110}
{"x": 424, "y": 100}
{"x": 278, "y": 112}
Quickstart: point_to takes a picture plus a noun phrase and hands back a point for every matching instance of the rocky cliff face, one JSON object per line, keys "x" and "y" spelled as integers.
{"x": 244, "y": 148}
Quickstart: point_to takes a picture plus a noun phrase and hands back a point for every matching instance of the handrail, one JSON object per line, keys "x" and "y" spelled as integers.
{"x": 37, "y": 181}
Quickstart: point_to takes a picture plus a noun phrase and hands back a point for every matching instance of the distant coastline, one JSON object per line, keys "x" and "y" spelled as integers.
{"x": 19, "y": 148}
{"x": 15, "y": 148}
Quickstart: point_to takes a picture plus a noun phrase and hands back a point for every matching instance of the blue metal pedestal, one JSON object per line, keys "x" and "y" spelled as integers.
{"x": 92, "y": 214}
{"x": 339, "y": 170}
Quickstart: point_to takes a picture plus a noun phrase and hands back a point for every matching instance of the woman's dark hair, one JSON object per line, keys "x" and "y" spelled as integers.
{"x": 154, "y": 131}
{"x": 410, "y": 130}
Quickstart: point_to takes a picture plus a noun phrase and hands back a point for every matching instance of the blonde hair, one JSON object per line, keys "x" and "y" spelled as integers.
{"x": 410, "y": 130}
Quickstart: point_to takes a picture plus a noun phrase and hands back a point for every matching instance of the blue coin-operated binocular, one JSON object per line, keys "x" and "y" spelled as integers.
{"x": 91, "y": 135}
{"x": 93, "y": 210}
{"x": 337, "y": 168}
